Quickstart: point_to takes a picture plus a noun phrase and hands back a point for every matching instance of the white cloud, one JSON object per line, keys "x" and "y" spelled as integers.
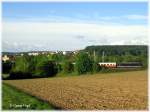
{"x": 137, "y": 17}
{"x": 61, "y": 35}
{"x": 81, "y": 18}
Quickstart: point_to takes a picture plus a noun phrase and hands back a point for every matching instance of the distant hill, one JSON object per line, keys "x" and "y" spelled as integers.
{"x": 120, "y": 50}
{"x": 120, "y": 53}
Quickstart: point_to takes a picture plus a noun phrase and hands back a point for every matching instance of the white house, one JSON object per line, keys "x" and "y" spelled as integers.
{"x": 33, "y": 54}
{"x": 5, "y": 58}
{"x": 64, "y": 52}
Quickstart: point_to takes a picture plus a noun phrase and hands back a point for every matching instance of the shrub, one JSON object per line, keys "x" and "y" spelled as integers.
{"x": 96, "y": 67}
{"x": 33, "y": 66}
{"x": 68, "y": 67}
{"x": 59, "y": 67}
{"x": 19, "y": 75}
{"x": 21, "y": 64}
{"x": 46, "y": 69}
{"x": 6, "y": 67}
{"x": 22, "y": 68}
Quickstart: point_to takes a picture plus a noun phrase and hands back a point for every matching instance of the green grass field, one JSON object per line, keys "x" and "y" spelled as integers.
{"x": 14, "y": 99}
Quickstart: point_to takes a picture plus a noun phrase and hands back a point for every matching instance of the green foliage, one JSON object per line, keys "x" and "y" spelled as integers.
{"x": 59, "y": 67}
{"x": 96, "y": 67}
{"x": 83, "y": 63}
{"x": 68, "y": 67}
{"x": 21, "y": 64}
{"x": 6, "y": 67}
{"x": 33, "y": 66}
{"x": 46, "y": 69}
{"x": 121, "y": 53}
{"x": 21, "y": 68}
{"x": 11, "y": 96}
{"x": 58, "y": 57}
{"x": 113, "y": 50}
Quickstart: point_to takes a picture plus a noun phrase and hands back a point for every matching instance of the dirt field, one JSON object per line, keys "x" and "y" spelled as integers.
{"x": 126, "y": 90}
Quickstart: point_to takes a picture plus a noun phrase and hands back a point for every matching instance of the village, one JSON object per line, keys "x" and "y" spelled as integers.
{"x": 12, "y": 56}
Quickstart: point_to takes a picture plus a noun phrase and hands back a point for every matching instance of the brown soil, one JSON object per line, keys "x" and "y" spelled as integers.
{"x": 121, "y": 91}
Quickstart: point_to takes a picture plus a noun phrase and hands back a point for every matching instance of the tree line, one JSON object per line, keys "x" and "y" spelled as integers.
{"x": 120, "y": 53}
{"x": 86, "y": 61}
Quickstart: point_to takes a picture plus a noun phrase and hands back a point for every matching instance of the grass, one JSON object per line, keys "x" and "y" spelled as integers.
{"x": 14, "y": 99}
{"x": 106, "y": 71}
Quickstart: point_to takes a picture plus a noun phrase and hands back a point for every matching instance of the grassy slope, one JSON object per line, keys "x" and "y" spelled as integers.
{"x": 10, "y": 95}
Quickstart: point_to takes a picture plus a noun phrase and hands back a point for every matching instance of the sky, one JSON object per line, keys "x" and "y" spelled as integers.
{"x": 34, "y": 26}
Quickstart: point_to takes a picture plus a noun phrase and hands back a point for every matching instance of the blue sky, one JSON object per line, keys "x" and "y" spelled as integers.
{"x": 49, "y": 18}
{"x": 83, "y": 11}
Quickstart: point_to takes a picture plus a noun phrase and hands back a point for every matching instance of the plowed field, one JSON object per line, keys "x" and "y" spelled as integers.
{"x": 126, "y": 90}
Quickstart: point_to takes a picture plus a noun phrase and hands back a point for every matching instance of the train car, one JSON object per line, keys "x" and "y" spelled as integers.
{"x": 121, "y": 65}
{"x": 108, "y": 64}
{"x": 129, "y": 65}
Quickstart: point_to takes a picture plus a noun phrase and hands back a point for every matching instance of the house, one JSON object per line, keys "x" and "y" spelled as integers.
{"x": 33, "y": 54}
{"x": 5, "y": 58}
{"x": 64, "y": 52}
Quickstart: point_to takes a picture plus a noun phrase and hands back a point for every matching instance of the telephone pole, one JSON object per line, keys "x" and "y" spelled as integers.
{"x": 103, "y": 55}
{"x": 94, "y": 56}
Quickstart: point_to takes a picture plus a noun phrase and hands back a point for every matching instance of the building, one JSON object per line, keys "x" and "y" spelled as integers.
{"x": 64, "y": 52}
{"x": 33, "y": 54}
{"x": 5, "y": 58}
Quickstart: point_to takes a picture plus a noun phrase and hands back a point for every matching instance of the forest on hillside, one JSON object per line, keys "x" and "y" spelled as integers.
{"x": 120, "y": 53}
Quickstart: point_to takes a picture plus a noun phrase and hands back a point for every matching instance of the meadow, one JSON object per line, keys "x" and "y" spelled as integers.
{"x": 121, "y": 91}
{"x": 15, "y": 99}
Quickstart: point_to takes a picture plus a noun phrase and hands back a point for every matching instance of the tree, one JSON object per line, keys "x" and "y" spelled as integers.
{"x": 33, "y": 66}
{"x": 21, "y": 68}
{"x": 68, "y": 67}
{"x": 96, "y": 67}
{"x": 84, "y": 63}
{"x": 6, "y": 66}
{"x": 46, "y": 69}
{"x": 21, "y": 64}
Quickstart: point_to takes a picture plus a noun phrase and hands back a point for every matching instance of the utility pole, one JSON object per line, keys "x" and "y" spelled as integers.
{"x": 94, "y": 56}
{"x": 103, "y": 55}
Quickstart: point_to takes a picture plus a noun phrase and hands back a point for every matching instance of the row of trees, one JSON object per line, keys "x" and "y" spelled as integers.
{"x": 84, "y": 62}
{"x": 48, "y": 66}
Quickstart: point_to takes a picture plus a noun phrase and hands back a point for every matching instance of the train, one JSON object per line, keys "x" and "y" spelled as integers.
{"x": 121, "y": 65}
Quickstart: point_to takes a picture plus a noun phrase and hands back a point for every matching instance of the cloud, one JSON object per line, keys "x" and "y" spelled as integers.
{"x": 81, "y": 18}
{"x": 137, "y": 17}
{"x": 68, "y": 35}
{"x": 127, "y": 18}
{"x": 80, "y": 37}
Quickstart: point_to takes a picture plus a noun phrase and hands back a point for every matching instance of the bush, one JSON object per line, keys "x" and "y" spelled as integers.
{"x": 59, "y": 67}
{"x": 22, "y": 64}
{"x": 33, "y": 66}
{"x": 83, "y": 63}
{"x": 46, "y": 69}
{"x": 105, "y": 69}
{"x": 21, "y": 69}
{"x": 68, "y": 67}
{"x": 19, "y": 75}
{"x": 96, "y": 67}
{"x": 6, "y": 67}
